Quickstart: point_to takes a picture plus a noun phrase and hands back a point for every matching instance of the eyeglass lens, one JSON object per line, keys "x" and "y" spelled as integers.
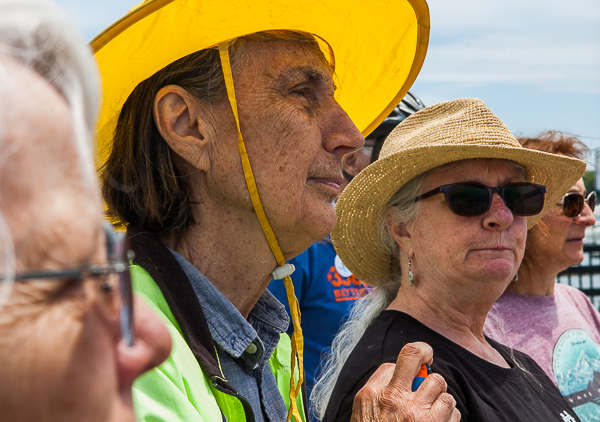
{"x": 573, "y": 204}
{"x": 118, "y": 256}
{"x": 471, "y": 199}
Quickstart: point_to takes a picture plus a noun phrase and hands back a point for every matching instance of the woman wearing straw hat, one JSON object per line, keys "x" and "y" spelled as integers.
{"x": 221, "y": 140}
{"x": 439, "y": 224}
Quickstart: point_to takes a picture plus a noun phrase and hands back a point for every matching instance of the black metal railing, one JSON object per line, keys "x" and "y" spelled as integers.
{"x": 586, "y": 276}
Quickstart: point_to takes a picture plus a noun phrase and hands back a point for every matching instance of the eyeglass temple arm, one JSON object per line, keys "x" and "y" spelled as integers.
{"x": 94, "y": 270}
{"x": 35, "y": 275}
{"x": 430, "y": 193}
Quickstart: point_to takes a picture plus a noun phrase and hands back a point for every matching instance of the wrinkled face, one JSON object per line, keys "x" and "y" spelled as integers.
{"x": 61, "y": 358}
{"x": 557, "y": 241}
{"x": 296, "y": 135}
{"x": 457, "y": 252}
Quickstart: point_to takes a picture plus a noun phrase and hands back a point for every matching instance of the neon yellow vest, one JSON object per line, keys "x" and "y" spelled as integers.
{"x": 178, "y": 390}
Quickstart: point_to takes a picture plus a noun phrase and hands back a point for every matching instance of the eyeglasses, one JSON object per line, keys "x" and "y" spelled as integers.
{"x": 372, "y": 147}
{"x": 471, "y": 199}
{"x": 367, "y": 149}
{"x": 573, "y": 203}
{"x": 118, "y": 257}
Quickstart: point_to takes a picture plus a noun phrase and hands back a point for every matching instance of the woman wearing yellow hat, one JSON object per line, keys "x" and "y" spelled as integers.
{"x": 221, "y": 138}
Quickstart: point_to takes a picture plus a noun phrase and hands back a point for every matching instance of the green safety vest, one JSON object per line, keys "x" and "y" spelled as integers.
{"x": 178, "y": 389}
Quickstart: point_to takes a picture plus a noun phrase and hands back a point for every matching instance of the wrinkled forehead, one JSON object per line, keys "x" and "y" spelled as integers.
{"x": 43, "y": 197}
{"x": 281, "y": 62}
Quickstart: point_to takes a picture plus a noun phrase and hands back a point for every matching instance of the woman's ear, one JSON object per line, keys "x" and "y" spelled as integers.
{"x": 401, "y": 232}
{"x": 181, "y": 125}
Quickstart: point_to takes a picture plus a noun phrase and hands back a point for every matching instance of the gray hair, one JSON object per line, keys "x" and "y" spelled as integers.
{"x": 43, "y": 38}
{"x": 402, "y": 208}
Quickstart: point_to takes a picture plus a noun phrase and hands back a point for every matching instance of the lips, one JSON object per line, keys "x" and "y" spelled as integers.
{"x": 329, "y": 181}
{"x": 577, "y": 237}
{"x": 333, "y": 182}
{"x": 497, "y": 247}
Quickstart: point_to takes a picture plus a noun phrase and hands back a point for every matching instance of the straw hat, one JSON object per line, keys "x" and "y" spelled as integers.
{"x": 378, "y": 46}
{"x": 447, "y": 132}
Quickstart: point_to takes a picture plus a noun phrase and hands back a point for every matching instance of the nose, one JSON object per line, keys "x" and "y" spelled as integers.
{"x": 587, "y": 217}
{"x": 340, "y": 134}
{"x": 152, "y": 346}
{"x": 498, "y": 217}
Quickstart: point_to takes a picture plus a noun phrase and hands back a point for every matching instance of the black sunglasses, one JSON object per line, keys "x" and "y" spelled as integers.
{"x": 470, "y": 199}
{"x": 118, "y": 257}
{"x": 573, "y": 203}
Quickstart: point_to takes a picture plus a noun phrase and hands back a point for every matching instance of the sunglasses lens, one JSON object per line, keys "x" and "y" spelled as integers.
{"x": 524, "y": 199}
{"x": 591, "y": 201}
{"x": 468, "y": 200}
{"x": 573, "y": 205}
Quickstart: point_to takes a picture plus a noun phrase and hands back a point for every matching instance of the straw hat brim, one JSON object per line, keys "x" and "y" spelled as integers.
{"x": 379, "y": 47}
{"x": 361, "y": 206}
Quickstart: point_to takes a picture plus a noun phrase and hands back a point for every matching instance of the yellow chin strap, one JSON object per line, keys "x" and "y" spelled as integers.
{"x": 297, "y": 339}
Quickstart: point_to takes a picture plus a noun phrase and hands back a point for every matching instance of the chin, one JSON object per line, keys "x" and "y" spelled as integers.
{"x": 327, "y": 223}
{"x": 313, "y": 227}
{"x": 571, "y": 255}
{"x": 573, "y": 260}
{"x": 123, "y": 411}
{"x": 500, "y": 272}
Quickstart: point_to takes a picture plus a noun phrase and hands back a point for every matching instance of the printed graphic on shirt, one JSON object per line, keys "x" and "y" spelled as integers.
{"x": 341, "y": 268}
{"x": 567, "y": 417}
{"x": 345, "y": 285}
{"x": 576, "y": 366}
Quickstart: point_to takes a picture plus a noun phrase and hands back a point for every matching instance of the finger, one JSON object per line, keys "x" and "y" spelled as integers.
{"x": 410, "y": 359}
{"x": 381, "y": 377}
{"x": 444, "y": 408}
{"x": 455, "y": 416}
{"x": 367, "y": 398}
{"x": 430, "y": 389}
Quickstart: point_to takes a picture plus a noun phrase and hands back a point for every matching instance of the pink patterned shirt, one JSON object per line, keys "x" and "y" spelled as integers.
{"x": 562, "y": 334}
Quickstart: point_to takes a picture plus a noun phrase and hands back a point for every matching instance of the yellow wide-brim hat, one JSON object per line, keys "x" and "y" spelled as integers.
{"x": 378, "y": 47}
{"x": 444, "y": 133}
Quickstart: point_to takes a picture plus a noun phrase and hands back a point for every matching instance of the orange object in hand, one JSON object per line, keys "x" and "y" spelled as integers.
{"x": 423, "y": 373}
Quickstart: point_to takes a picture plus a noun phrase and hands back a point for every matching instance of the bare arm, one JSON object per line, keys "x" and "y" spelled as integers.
{"x": 387, "y": 396}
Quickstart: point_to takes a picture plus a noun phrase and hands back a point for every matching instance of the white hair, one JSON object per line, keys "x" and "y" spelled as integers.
{"x": 43, "y": 38}
{"x": 40, "y": 35}
{"x": 362, "y": 314}
{"x": 402, "y": 207}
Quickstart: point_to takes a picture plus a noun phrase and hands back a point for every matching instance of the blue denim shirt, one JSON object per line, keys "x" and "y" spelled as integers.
{"x": 244, "y": 346}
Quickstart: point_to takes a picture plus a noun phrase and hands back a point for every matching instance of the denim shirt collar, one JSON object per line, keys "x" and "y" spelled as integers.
{"x": 229, "y": 329}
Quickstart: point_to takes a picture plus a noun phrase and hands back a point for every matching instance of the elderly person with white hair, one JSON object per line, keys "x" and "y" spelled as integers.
{"x": 71, "y": 343}
{"x": 439, "y": 224}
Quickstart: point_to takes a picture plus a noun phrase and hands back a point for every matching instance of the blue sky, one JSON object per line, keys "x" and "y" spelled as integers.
{"x": 536, "y": 63}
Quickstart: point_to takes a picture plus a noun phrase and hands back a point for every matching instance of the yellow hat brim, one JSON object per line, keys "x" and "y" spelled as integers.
{"x": 379, "y": 47}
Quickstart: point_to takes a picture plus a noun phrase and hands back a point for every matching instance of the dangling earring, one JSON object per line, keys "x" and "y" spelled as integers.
{"x": 411, "y": 276}
{"x": 516, "y": 277}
